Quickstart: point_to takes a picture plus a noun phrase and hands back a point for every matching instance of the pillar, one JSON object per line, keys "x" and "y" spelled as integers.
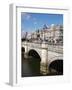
{"x": 44, "y": 59}
{"x": 26, "y": 49}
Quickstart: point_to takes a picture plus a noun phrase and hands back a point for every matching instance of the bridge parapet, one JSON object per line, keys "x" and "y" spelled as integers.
{"x": 35, "y": 45}
{"x": 53, "y": 48}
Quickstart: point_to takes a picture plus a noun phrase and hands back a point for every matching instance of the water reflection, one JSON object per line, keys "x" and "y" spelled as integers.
{"x": 31, "y": 65}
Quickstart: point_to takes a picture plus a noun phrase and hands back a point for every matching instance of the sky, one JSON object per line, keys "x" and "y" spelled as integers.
{"x": 33, "y": 21}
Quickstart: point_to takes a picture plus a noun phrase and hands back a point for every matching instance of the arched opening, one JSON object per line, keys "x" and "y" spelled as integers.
{"x": 56, "y": 67}
{"x": 23, "y": 49}
{"x": 34, "y": 62}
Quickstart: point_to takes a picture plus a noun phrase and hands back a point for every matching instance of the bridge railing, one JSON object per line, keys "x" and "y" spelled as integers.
{"x": 53, "y": 48}
{"x": 36, "y": 45}
{"x": 32, "y": 44}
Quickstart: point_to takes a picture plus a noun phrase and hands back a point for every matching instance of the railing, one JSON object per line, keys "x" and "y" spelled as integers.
{"x": 32, "y": 44}
{"x": 53, "y": 48}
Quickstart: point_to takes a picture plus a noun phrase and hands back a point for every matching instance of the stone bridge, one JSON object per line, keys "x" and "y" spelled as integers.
{"x": 47, "y": 53}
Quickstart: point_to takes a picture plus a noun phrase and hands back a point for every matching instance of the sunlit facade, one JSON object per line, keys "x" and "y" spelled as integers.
{"x": 54, "y": 33}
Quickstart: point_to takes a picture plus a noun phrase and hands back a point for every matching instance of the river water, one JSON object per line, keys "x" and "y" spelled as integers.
{"x": 31, "y": 67}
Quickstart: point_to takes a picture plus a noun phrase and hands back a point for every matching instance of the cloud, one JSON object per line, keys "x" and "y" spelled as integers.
{"x": 35, "y": 23}
{"x": 34, "y": 19}
{"x": 26, "y": 16}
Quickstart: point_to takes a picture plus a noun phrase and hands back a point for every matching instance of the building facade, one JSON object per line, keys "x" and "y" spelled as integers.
{"x": 52, "y": 34}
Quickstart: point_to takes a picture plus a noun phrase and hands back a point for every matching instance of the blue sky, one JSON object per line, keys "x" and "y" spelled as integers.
{"x": 33, "y": 21}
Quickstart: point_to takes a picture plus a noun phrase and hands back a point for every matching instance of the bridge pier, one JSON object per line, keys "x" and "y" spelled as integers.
{"x": 26, "y": 47}
{"x": 25, "y": 53}
{"x": 44, "y": 60}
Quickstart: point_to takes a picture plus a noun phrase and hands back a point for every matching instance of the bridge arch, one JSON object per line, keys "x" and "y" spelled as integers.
{"x": 56, "y": 66}
{"x": 22, "y": 49}
{"x": 34, "y": 62}
{"x": 60, "y": 57}
{"x": 34, "y": 53}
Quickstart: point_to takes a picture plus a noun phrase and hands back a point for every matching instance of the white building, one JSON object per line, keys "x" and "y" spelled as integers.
{"x": 52, "y": 34}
